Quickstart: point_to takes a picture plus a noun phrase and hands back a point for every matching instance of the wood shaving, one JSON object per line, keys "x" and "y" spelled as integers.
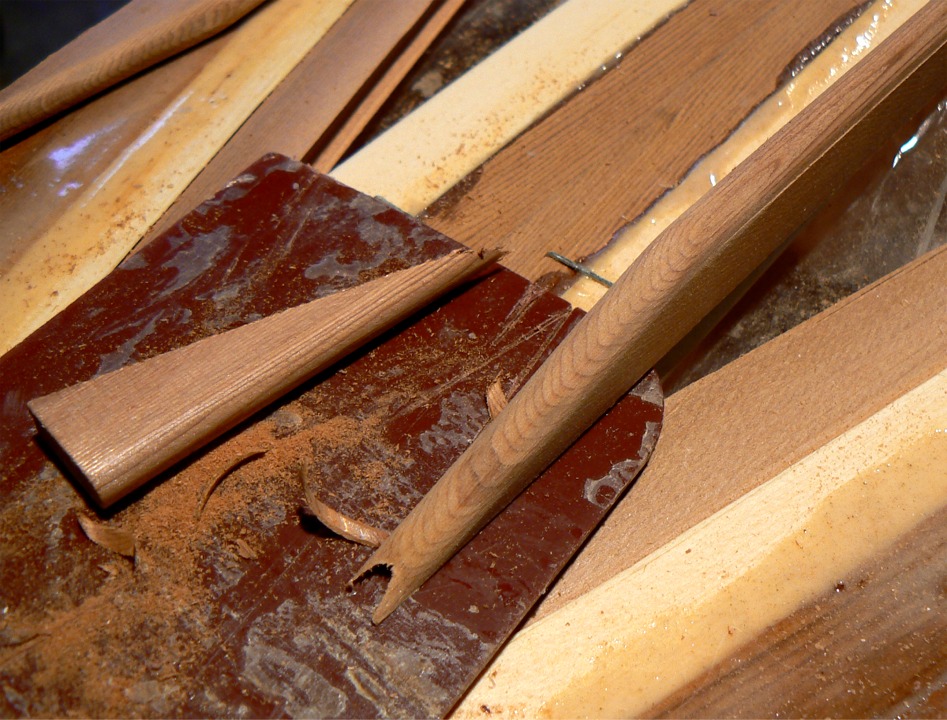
{"x": 496, "y": 398}
{"x": 245, "y": 457}
{"x": 114, "y": 539}
{"x": 338, "y": 523}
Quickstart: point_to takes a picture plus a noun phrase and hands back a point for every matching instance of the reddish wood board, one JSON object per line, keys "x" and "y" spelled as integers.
{"x": 236, "y": 601}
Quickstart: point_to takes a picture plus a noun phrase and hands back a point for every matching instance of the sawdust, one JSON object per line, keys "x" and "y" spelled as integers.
{"x": 111, "y": 650}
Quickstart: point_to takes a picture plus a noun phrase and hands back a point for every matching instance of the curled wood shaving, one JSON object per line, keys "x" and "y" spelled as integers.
{"x": 496, "y": 398}
{"x": 337, "y": 522}
{"x": 246, "y": 457}
{"x": 112, "y": 538}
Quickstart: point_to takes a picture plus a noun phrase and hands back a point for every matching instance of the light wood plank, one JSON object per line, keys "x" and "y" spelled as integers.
{"x": 708, "y": 479}
{"x": 106, "y": 219}
{"x": 418, "y": 159}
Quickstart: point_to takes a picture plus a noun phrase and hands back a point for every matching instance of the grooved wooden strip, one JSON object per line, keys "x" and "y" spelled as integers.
{"x": 725, "y": 436}
{"x": 849, "y": 47}
{"x": 595, "y": 164}
{"x": 689, "y": 269}
{"x": 134, "y": 37}
{"x": 303, "y": 109}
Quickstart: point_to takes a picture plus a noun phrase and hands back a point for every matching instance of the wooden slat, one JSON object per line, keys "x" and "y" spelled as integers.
{"x": 587, "y": 33}
{"x": 344, "y": 137}
{"x": 152, "y": 414}
{"x": 599, "y": 161}
{"x": 730, "y": 432}
{"x": 303, "y": 109}
{"x": 417, "y": 160}
{"x": 107, "y": 218}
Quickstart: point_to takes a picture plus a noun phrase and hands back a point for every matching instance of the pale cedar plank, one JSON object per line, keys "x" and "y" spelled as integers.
{"x": 41, "y": 173}
{"x": 304, "y": 108}
{"x": 687, "y": 271}
{"x": 343, "y": 138}
{"x": 873, "y": 647}
{"x": 733, "y": 430}
{"x": 152, "y": 414}
{"x": 136, "y": 36}
{"x": 601, "y": 159}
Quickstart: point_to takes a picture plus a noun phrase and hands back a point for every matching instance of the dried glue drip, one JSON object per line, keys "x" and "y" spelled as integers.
{"x": 865, "y": 33}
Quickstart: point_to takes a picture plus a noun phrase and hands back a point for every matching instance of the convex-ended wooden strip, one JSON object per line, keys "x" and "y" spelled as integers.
{"x": 689, "y": 269}
{"x": 119, "y": 430}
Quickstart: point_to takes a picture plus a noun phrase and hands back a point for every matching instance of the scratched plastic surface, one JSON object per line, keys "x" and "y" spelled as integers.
{"x": 250, "y": 615}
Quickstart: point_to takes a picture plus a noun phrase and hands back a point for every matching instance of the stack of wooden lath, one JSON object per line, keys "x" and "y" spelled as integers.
{"x": 684, "y": 600}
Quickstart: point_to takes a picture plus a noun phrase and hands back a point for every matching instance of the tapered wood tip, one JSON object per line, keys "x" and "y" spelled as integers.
{"x": 400, "y": 584}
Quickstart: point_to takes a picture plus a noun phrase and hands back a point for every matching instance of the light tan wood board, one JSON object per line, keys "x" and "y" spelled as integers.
{"x": 108, "y": 216}
{"x": 725, "y": 438}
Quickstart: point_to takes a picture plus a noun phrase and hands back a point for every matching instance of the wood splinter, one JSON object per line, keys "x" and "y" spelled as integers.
{"x": 689, "y": 269}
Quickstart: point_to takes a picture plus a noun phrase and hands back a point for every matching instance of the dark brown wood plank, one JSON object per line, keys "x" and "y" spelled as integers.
{"x": 235, "y": 603}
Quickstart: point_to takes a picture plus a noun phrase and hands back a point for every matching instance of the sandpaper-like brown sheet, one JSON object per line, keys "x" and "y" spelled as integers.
{"x": 235, "y": 603}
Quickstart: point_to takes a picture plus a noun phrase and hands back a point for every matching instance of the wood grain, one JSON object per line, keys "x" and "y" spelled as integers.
{"x": 690, "y": 268}
{"x": 107, "y": 218}
{"x": 872, "y": 646}
{"x": 345, "y": 136}
{"x": 414, "y": 162}
{"x": 724, "y": 436}
{"x": 136, "y": 36}
{"x": 306, "y": 106}
{"x": 596, "y": 163}
{"x": 48, "y": 168}
{"x": 152, "y": 414}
